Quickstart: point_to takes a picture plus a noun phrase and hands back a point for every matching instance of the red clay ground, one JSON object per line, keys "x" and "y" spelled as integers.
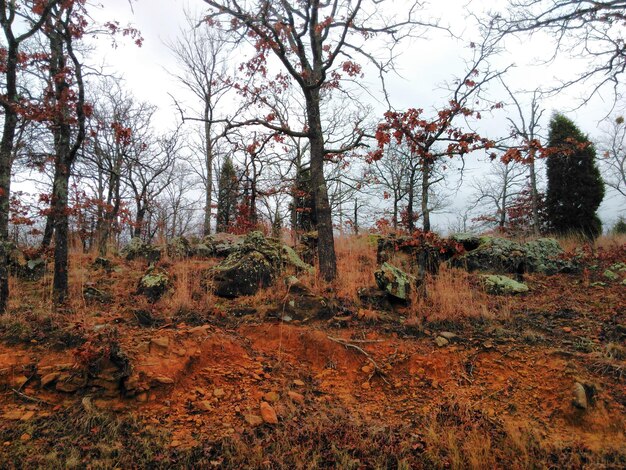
{"x": 351, "y": 392}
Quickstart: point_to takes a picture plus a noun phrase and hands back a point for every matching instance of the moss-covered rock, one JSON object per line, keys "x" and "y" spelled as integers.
{"x": 138, "y": 249}
{"x": 253, "y": 264}
{"x": 494, "y": 254}
{"x": 502, "y": 285}
{"x": 154, "y": 284}
{"x": 395, "y": 282}
{"x": 179, "y": 248}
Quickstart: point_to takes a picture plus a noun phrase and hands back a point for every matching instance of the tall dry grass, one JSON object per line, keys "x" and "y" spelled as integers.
{"x": 452, "y": 295}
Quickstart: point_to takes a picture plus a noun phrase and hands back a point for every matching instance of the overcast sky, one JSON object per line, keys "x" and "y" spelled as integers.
{"x": 425, "y": 65}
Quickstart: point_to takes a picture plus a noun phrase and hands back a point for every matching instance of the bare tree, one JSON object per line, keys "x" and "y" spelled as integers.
{"x": 581, "y": 28}
{"x": 315, "y": 42}
{"x": 17, "y": 28}
{"x": 202, "y": 54}
{"x": 495, "y": 190}
{"x": 525, "y": 130}
{"x": 613, "y": 155}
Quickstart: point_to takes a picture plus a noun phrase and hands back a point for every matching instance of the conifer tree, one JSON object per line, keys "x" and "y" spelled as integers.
{"x": 227, "y": 196}
{"x": 575, "y": 188}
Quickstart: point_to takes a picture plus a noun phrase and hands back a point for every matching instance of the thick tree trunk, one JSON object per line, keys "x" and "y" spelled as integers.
{"x": 425, "y": 190}
{"x": 209, "y": 173}
{"x": 6, "y": 163}
{"x": 61, "y": 228}
{"x": 326, "y": 240}
{"x": 138, "y": 229}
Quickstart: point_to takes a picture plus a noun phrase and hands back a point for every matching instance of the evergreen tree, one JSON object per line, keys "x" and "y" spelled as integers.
{"x": 227, "y": 196}
{"x": 575, "y": 188}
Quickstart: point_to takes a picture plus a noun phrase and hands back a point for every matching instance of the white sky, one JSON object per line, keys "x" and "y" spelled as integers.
{"x": 424, "y": 66}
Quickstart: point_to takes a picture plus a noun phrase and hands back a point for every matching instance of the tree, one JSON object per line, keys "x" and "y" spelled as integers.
{"x": 202, "y": 54}
{"x": 429, "y": 140}
{"x": 583, "y": 28}
{"x": 496, "y": 191}
{"x": 314, "y": 42}
{"x": 575, "y": 188}
{"x": 12, "y": 19}
{"x": 613, "y": 155}
{"x": 228, "y": 196}
{"x": 524, "y": 130}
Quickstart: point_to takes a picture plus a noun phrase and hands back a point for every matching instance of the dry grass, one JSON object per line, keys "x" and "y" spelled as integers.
{"x": 356, "y": 263}
{"x": 451, "y": 296}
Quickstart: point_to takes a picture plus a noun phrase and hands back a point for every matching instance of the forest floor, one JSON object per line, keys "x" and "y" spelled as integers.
{"x": 219, "y": 383}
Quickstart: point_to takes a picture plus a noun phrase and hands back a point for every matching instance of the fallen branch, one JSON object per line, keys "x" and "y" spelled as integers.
{"x": 347, "y": 344}
{"x": 29, "y": 398}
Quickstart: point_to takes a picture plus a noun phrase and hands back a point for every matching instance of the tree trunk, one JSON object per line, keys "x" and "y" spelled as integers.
{"x": 326, "y": 240}
{"x": 411, "y": 200}
{"x": 209, "y": 173}
{"x": 426, "y": 167}
{"x": 141, "y": 213}
{"x": 6, "y": 163}
{"x": 356, "y": 216}
{"x": 61, "y": 228}
{"x": 534, "y": 195}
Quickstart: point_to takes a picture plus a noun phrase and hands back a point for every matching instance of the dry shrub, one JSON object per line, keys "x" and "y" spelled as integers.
{"x": 451, "y": 296}
{"x": 189, "y": 294}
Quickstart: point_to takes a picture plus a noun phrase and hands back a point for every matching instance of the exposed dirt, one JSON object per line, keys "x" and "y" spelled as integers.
{"x": 495, "y": 385}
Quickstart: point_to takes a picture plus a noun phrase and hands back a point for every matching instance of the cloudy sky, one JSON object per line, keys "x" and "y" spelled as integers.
{"x": 423, "y": 68}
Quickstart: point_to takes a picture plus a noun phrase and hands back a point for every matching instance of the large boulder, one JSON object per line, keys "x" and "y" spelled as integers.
{"x": 179, "y": 248}
{"x": 254, "y": 264}
{"x": 29, "y": 269}
{"x": 138, "y": 249}
{"x": 423, "y": 252}
{"x": 395, "y": 282}
{"x": 494, "y": 254}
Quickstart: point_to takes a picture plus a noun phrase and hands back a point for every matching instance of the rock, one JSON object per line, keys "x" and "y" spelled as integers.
{"x": 395, "y": 282}
{"x": 202, "y": 250}
{"x": 307, "y": 248}
{"x": 198, "y": 331}
{"x": 70, "y": 384}
{"x": 447, "y": 335}
{"x": 164, "y": 380}
{"x": 162, "y": 342}
{"x": 373, "y": 298}
{"x": 506, "y": 256}
{"x": 23, "y": 267}
{"x": 440, "y": 341}
{"x": 252, "y": 266}
{"x": 179, "y": 248}
{"x": 271, "y": 397}
{"x": 290, "y": 257}
{"x": 253, "y": 420}
{"x": 25, "y": 437}
{"x": 50, "y": 378}
{"x": 416, "y": 252}
{"x": 154, "y": 284}
{"x": 219, "y": 393}
{"x": 268, "y": 414}
{"x": 495, "y": 284}
{"x": 94, "y": 295}
{"x": 103, "y": 263}
{"x": 204, "y": 405}
{"x": 295, "y": 396}
{"x": 137, "y": 249}
{"x": 579, "y": 399}
{"x": 610, "y": 275}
